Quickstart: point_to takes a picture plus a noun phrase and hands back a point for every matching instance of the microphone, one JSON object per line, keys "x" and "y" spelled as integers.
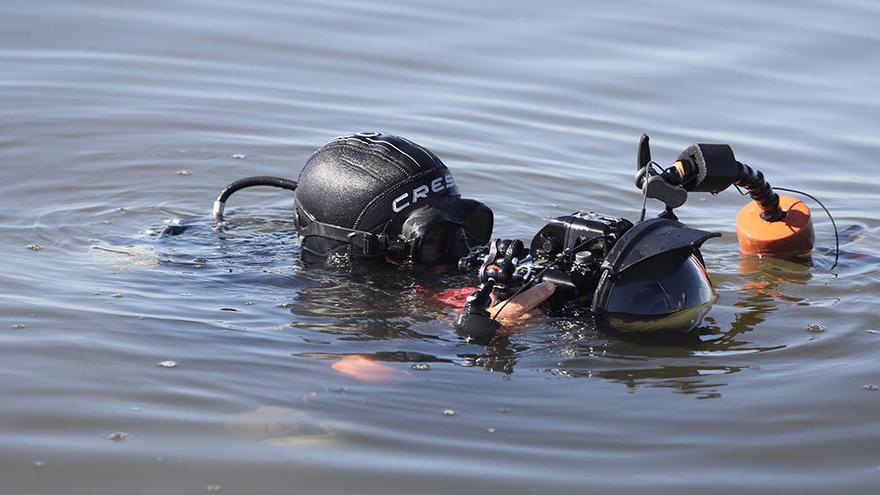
{"x": 700, "y": 167}
{"x": 708, "y": 168}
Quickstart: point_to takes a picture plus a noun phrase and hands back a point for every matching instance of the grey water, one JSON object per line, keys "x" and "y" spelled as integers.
{"x": 120, "y": 118}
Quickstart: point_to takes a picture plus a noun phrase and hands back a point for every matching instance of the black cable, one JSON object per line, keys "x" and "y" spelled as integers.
{"x": 760, "y": 191}
{"x": 261, "y": 180}
{"x": 836, "y": 235}
{"x": 525, "y": 286}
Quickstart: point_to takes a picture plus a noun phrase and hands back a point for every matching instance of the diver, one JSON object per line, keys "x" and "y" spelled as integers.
{"x": 369, "y": 198}
{"x": 375, "y": 197}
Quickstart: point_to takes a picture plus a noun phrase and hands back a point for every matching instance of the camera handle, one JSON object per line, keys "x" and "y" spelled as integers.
{"x": 654, "y": 185}
{"x": 475, "y": 322}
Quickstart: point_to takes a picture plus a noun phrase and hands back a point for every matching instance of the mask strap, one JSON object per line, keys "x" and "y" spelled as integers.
{"x": 370, "y": 244}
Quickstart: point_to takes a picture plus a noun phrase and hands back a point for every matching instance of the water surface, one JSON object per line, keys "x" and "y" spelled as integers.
{"x": 121, "y": 117}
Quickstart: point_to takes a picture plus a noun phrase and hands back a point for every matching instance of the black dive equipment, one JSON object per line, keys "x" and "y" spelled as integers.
{"x": 475, "y": 320}
{"x": 375, "y": 195}
{"x": 647, "y": 278}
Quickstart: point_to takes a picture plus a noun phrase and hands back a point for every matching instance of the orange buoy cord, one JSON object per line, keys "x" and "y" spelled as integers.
{"x": 791, "y": 236}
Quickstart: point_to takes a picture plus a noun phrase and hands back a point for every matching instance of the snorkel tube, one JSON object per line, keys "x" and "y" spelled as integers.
{"x": 261, "y": 180}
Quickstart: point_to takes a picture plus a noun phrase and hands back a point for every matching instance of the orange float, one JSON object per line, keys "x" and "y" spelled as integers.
{"x": 791, "y": 236}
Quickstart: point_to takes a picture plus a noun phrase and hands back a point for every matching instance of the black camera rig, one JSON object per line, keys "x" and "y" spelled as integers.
{"x": 647, "y": 277}
{"x": 568, "y": 251}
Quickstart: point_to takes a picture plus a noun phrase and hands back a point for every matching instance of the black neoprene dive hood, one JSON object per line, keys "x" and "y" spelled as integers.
{"x": 372, "y": 195}
{"x": 385, "y": 196}
{"x": 378, "y": 195}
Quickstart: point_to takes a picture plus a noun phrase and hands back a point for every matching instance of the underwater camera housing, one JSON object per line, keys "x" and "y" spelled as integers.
{"x": 647, "y": 278}
{"x": 568, "y": 251}
{"x": 644, "y": 278}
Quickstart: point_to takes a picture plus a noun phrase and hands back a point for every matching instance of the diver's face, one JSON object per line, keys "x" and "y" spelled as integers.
{"x": 434, "y": 246}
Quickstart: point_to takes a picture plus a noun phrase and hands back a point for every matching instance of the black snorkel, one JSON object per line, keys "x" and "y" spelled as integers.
{"x": 238, "y": 185}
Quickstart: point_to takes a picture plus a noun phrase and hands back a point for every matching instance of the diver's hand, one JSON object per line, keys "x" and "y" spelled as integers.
{"x": 517, "y": 309}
